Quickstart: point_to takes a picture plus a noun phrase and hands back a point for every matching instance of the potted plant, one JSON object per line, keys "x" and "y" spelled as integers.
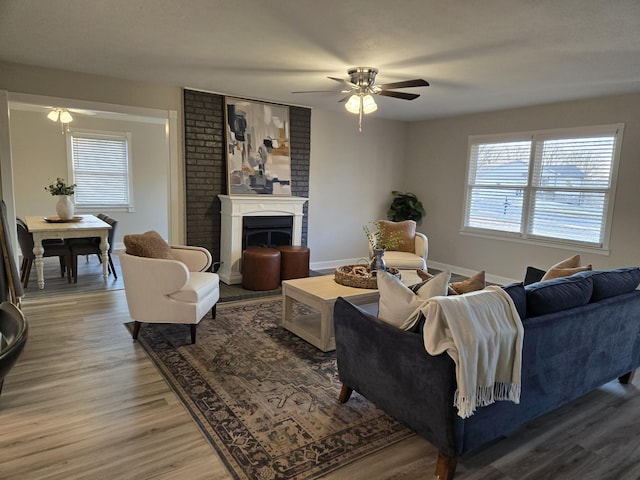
{"x": 59, "y": 188}
{"x": 405, "y": 206}
{"x": 379, "y": 243}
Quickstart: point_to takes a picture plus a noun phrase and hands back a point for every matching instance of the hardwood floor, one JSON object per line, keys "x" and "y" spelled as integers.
{"x": 84, "y": 402}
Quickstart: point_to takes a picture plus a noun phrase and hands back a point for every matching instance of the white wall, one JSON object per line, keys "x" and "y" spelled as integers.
{"x": 39, "y": 152}
{"x": 436, "y": 163}
{"x": 351, "y": 177}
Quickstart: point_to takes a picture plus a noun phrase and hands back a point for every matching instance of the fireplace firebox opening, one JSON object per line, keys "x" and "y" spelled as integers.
{"x": 266, "y": 231}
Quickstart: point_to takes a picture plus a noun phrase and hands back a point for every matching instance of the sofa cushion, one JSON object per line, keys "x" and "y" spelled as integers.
{"x": 406, "y": 232}
{"x": 399, "y": 305}
{"x": 565, "y": 268}
{"x": 609, "y": 283}
{"x": 558, "y": 294}
{"x": 198, "y": 287}
{"x": 149, "y": 244}
{"x": 517, "y": 293}
{"x": 403, "y": 260}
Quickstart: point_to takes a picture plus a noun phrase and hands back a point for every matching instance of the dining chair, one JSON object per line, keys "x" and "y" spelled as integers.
{"x": 91, "y": 246}
{"x": 52, "y": 248}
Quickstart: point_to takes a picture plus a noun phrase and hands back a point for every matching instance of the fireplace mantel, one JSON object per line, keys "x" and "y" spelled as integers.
{"x": 233, "y": 208}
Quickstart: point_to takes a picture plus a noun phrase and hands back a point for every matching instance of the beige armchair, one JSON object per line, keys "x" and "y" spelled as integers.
{"x": 178, "y": 290}
{"x": 407, "y": 258}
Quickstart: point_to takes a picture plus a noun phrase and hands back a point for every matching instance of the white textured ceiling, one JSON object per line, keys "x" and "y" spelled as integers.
{"x": 477, "y": 55}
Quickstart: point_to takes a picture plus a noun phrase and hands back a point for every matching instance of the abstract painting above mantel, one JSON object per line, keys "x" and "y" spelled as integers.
{"x": 258, "y": 153}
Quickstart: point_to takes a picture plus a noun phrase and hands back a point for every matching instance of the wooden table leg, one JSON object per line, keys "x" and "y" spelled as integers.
{"x": 104, "y": 248}
{"x": 326, "y": 322}
{"x": 287, "y": 308}
{"x": 38, "y": 251}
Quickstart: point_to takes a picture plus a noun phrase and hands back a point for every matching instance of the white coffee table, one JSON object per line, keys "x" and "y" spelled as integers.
{"x": 319, "y": 293}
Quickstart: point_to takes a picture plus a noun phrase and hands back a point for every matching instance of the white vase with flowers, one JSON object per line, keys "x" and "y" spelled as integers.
{"x": 64, "y": 206}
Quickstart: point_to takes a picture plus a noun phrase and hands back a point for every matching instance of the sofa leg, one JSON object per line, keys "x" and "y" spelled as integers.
{"x": 446, "y": 466}
{"x": 193, "y": 333}
{"x": 345, "y": 394}
{"x": 213, "y": 311}
{"x": 136, "y": 330}
{"x": 627, "y": 377}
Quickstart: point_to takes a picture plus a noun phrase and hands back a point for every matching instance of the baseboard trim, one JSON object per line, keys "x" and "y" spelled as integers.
{"x": 333, "y": 264}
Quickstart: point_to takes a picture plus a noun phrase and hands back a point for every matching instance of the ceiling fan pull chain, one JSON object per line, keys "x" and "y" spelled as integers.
{"x": 360, "y": 113}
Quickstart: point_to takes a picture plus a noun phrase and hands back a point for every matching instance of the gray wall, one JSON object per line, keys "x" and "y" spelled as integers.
{"x": 436, "y": 161}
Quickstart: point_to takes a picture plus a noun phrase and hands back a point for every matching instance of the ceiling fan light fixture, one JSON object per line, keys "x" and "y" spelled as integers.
{"x": 53, "y": 115}
{"x": 65, "y": 117}
{"x": 353, "y": 104}
{"x": 61, "y": 115}
{"x": 356, "y": 102}
{"x": 368, "y": 104}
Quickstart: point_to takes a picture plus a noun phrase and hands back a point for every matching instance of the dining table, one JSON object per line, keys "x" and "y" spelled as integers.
{"x": 53, "y": 227}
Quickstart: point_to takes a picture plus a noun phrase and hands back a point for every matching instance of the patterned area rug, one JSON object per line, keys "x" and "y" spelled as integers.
{"x": 265, "y": 399}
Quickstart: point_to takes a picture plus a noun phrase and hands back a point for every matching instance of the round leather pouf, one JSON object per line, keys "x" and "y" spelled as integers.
{"x": 294, "y": 262}
{"x": 261, "y": 268}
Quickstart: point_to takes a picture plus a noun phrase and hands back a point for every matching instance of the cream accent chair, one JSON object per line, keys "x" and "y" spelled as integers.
{"x": 170, "y": 291}
{"x": 408, "y": 260}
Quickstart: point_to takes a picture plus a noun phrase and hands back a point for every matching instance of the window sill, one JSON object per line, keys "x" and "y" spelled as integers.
{"x": 540, "y": 243}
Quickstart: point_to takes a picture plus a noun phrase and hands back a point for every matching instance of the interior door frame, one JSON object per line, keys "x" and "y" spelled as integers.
{"x": 174, "y": 169}
{"x": 6, "y": 168}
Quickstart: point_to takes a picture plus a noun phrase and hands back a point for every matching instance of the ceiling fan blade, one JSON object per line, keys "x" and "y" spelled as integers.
{"x": 402, "y": 95}
{"x": 321, "y": 91}
{"x": 346, "y": 82}
{"x": 418, "y": 82}
{"x": 82, "y": 111}
{"x": 344, "y": 99}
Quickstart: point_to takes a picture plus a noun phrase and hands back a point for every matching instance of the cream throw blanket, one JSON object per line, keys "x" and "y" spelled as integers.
{"x": 482, "y": 332}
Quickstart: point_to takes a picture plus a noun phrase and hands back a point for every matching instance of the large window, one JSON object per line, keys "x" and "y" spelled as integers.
{"x": 552, "y": 186}
{"x": 101, "y": 170}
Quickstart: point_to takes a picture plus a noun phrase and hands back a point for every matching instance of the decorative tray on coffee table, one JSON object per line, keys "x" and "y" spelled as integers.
{"x": 57, "y": 219}
{"x": 360, "y": 276}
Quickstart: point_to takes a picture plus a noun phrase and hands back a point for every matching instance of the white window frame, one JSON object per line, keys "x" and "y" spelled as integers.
{"x": 524, "y": 235}
{"x": 107, "y": 135}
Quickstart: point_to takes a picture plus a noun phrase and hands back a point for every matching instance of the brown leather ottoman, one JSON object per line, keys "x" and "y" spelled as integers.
{"x": 294, "y": 262}
{"x": 261, "y": 268}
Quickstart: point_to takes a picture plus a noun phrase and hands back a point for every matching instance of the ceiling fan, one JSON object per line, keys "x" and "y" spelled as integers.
{"x": 361, "y": 87}
{"x": 63, "y": 115}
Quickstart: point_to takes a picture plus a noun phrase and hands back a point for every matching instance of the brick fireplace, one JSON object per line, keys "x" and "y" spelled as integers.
{"x": 205, "y": 168}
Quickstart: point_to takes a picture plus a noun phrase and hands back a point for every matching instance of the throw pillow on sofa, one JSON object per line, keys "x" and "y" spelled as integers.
{"x": 472, "y": 284}
{"x": 533, "y": 275}
{"x": 399, "y": 305}
{"x": 565, "y": 268}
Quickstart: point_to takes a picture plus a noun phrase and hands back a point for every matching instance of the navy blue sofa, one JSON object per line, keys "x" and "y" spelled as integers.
{"x": 580, "y": 332}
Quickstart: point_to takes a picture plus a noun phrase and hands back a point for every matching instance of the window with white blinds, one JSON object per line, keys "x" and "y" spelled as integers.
{"x": 552, "y": 186}
{"x": 100, "y": 167}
